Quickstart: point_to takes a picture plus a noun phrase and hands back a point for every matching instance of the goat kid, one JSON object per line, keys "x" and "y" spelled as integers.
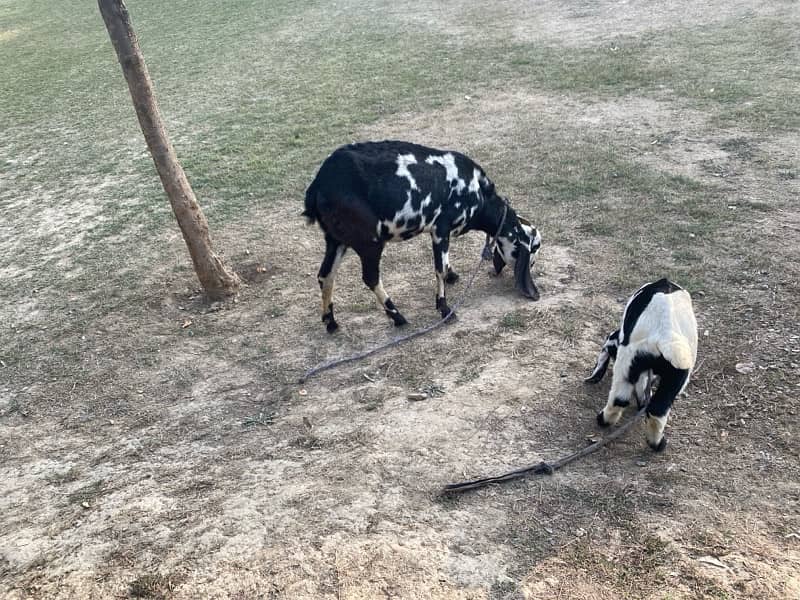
{"x": 367, "y": 194}
{"x": 657, "y": 336}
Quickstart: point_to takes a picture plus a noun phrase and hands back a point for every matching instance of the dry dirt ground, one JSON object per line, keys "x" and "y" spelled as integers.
{"x": 155, "y": 446}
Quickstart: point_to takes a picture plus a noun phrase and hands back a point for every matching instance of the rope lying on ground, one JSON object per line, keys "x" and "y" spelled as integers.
{"x": 544, "y": 467}
{"x": 486, "y": 254}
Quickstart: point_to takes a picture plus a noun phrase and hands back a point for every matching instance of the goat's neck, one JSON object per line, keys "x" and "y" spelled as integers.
{"x": 490, "y": 217}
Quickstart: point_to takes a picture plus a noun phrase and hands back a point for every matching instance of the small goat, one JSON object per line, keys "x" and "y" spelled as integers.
{"x": 657, "y": 336}
{"x": 367, "y": 194}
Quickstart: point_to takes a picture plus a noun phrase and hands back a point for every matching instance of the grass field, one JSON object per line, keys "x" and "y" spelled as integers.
{"x": 154, "y": 446}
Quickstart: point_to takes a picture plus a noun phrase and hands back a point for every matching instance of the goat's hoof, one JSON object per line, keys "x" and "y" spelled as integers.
{"x": 659, "y": 447}
{"x": 601, "y": 420}
{"x": 449, "y": 317}
{"x": 399, "y": 320}
{"x": 330, "y": 323}
{"x": 451, "y": 277}
{"x": 592, "y": 379}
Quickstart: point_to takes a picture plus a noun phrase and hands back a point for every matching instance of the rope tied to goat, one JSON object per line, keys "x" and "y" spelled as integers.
{"x": 486, "y": 254}
{"x": 548, "y": 468}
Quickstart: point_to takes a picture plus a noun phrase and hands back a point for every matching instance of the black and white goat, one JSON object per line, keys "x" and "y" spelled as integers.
{"x": 657, "y": 337}
{"x": 367, "y": 194}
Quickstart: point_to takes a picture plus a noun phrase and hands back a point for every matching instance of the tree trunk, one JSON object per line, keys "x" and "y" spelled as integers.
{"x": 216, "y": 280}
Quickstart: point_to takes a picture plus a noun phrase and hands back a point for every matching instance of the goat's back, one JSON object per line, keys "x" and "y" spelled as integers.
{"x": 666, "y": 325}
{"x": 382, "y": 174}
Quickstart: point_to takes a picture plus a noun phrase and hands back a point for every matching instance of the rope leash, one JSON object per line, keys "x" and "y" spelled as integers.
{"x": 545, "y": 467}
{"x": 486, "y": 254}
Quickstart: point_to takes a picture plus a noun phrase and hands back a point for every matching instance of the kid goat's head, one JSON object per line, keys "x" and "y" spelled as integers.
{"x": 517, "y": 244}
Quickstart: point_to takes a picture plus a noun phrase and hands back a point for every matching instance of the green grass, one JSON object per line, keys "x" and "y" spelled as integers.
{"x": 515, "y": 321}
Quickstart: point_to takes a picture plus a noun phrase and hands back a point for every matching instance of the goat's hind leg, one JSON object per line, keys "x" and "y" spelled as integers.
{"x": 334, "y": 251}
{"x": 671, "y": 383}
{"x": 370, "y": 273}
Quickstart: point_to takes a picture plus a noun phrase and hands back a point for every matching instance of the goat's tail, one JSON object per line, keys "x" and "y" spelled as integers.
{"x": 310, "y": 213}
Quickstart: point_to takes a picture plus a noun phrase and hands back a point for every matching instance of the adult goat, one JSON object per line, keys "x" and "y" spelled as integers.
{"x": 365, "y": 195}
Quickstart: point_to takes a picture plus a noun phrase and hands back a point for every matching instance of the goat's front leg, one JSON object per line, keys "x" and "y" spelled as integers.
{"x": 370, "y": 273}
{"x": 627, "y": 373}
{"x": 441, "y": 262}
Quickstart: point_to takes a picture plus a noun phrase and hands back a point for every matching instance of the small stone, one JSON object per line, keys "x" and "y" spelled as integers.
{"x": 85, "y": 504}
{"x": 641, "y": 463}
{"x": 417, "y": 396}
{"x": 711, "y": 560}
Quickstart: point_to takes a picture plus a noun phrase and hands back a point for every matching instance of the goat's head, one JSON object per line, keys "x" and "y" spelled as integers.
{"x": 517, "y": 243}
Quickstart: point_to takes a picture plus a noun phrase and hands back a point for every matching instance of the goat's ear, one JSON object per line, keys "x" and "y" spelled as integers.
{"x": 498, "y": 261}
{"x": 487, "y": 187}
{"x": 522, "y": 274}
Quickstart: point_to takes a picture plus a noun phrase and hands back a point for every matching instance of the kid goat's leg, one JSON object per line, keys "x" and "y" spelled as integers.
{"x": 370, "y": 273}
{"x": 631, "y": 373}
{"x": 671, "y": 383}
{"x": 334, "y": 251}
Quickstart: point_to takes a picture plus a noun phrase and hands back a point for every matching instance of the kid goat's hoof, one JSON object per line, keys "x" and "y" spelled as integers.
{"x": 659, "y": 447}
{"x": 451, "y": 277}
{"x": 601, "y": 420}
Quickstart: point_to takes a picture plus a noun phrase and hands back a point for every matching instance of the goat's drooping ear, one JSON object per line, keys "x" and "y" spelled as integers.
{"x": 522, "y": 274}
{"x": 608, "y": 352}
{"x": 487, "y": 188}
{"x": 498, "y": 261}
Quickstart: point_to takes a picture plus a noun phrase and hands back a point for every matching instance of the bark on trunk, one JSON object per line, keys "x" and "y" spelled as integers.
{"x": 216, "y": 280}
